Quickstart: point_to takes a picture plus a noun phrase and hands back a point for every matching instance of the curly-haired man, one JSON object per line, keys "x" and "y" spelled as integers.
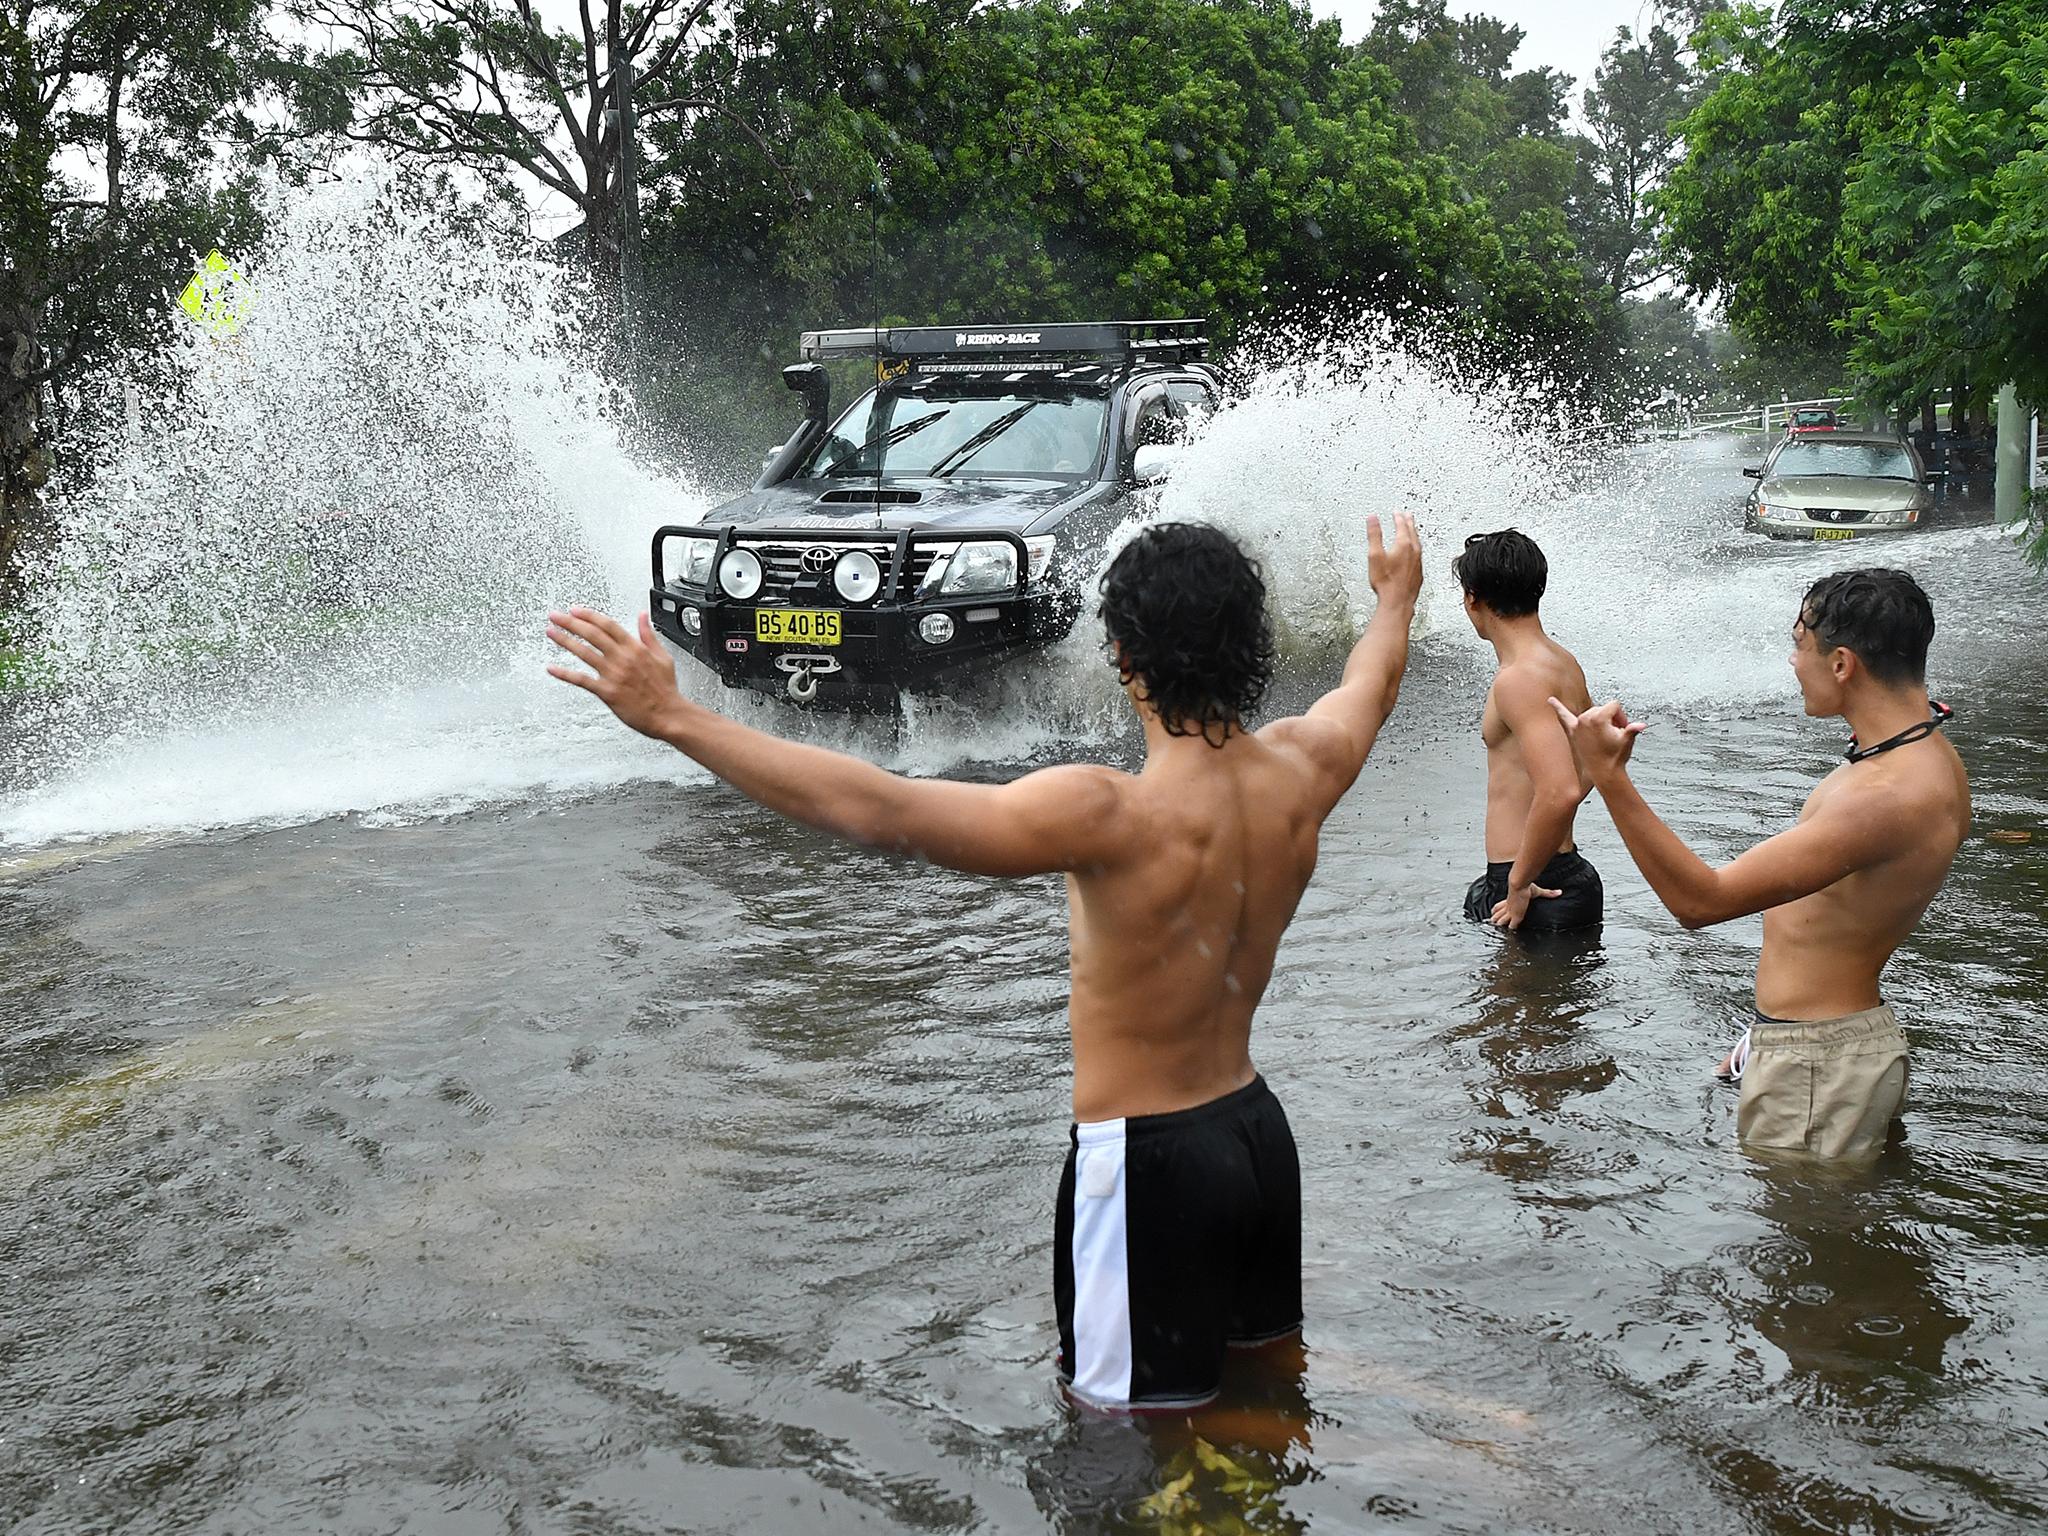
{"x": 1178, "y": 1226}
{"x": 1823, "y": 1064}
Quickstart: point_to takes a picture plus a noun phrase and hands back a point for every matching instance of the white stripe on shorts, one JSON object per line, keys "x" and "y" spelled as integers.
{"x": 1102, "y": 1288}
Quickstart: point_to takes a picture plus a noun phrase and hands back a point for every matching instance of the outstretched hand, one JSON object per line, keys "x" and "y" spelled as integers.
{"x": 1394, "y": 566}
{"x": 635, "y": 677}
{"x": 1603, "y": 738}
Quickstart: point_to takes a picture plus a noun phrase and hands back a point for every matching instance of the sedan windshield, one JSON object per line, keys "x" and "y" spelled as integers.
{"x": 981, "y": 435}
{"x": 1818, "y": 456}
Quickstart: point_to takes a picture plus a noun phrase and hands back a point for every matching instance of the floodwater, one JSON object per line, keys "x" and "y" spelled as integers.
{"x": 598, "y": 1154}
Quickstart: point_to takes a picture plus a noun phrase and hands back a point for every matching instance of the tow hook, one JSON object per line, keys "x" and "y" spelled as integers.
{"x": 804, "y": 672}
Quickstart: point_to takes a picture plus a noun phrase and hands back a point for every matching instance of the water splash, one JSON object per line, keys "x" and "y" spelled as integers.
{"x": 1342, "y": 423}
{"x": 308, "y": 575}
{"x": 308, "y": 579}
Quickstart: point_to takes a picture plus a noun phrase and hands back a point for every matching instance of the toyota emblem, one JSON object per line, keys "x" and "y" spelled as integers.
{"x": 817, "y": 560}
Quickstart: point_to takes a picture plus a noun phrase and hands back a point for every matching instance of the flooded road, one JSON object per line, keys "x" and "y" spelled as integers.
{"x": 607, "y": 1156}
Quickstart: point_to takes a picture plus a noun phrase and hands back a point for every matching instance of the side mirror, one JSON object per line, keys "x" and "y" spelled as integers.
{"x": 1752, "y": 472}
{"x": 810, "y": 381}
{"x": 1153, "y": 462}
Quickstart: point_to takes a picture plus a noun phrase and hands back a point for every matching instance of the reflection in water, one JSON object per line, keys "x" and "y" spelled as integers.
{"x": 1221, "y": 1469}
{"x": 1529, "y": 1005}
{"x": 1852, "y": 1299}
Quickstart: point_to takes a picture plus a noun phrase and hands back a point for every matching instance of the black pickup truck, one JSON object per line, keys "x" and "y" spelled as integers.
{"x": 955, "y": 514}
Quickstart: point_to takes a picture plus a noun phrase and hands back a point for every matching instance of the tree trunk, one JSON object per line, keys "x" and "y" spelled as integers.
{"x": 24, "y": 456}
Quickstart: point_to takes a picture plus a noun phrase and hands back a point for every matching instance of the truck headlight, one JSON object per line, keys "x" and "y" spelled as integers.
{"x": 986, "y": 566}
{"x": 687, "y": 561}
{"x": 739, "y": 574}
{"x": 857, "y": 576}
{"x": 1039, "y": 551}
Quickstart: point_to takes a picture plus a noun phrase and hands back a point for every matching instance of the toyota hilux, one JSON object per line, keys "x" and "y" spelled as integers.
{"x": 951, "y": 517}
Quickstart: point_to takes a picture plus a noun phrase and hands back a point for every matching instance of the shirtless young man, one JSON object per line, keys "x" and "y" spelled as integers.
{"x": 1178, "y": 1227}
{"x": 1535, "y": 879}
{"x": 1823, "y": 1068}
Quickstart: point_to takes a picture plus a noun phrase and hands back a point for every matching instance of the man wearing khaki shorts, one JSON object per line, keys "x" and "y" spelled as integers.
{"x": 1823, "y": 1068}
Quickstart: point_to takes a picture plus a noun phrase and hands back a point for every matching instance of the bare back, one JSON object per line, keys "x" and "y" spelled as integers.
{"x": 1172, "y": 948}
{"x": 1823, "y": 953}
{"x": 1545, "y": 670}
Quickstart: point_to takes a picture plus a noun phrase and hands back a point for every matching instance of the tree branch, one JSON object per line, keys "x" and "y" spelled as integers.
{"x": 704, "y": 104}
{"x": 665, "y": 55}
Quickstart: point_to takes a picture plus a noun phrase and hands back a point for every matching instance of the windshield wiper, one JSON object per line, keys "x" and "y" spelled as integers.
{"x": 1839, "y": 474}
{"x": 983, "y": 438}
{"x": 894, "y": 436}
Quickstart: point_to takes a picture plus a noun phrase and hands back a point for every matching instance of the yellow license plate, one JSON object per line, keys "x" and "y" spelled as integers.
{"x": 796, "y": 626}
{"x": 1833, "y": 533}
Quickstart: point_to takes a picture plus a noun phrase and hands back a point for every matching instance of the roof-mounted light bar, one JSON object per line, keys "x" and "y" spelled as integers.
{"x": 952, "y": 346}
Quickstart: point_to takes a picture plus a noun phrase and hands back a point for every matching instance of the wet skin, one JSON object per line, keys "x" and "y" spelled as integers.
{"x": 1533, "y": 786}
{"x": 1842, "y": 888}
{"x": 1181, "y": 877}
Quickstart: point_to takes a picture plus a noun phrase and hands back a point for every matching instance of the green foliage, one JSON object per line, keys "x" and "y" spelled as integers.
{"x": 1872, "y": 185}
{"x": 1231, "y": 158}
{"x": 115, "y": 176}
{"x": 1668, "y": 350}
{"x": 1640, "y": 93}
{"x": 148, "y": 95}
{"x": 1944, "y": 238}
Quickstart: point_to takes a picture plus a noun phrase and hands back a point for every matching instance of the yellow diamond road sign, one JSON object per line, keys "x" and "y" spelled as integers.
{"x": 217, "y": 298}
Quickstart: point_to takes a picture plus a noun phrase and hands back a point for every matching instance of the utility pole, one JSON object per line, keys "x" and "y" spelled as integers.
{"x": 2010, "y": 490}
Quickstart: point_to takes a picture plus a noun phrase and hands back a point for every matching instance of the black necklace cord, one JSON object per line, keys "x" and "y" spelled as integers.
{"x": 1941, "y": 716}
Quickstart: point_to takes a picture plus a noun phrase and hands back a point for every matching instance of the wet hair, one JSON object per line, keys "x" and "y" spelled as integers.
{"x": 1504, "y": 570}
{"x": 1187, "y": 607}
{"x": 1879, "y": 614}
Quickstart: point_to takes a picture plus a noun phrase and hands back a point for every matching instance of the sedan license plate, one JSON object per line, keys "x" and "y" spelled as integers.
{"x": 1833, "y": 533}
{"x": 796, "y": 626}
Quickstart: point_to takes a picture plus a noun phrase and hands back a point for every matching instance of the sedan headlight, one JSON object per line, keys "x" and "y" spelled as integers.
{"x": 986, "y": 566}
{"x": 688, "y": 561}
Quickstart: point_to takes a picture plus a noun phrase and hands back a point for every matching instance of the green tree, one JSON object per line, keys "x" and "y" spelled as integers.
{"x": 1639, "y": 93}
{"x": 1219, "y": 157}
{"x": 1753, "y": 210}
{"x": 491, "y": 85}
{"x": 1944, "y": 239}
{"x": 117, "y": 168}
{"x": 1874, "y": 183}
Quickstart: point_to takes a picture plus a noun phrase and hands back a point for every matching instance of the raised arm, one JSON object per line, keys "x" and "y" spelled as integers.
{"x": 1056, "y": 819}
{"x": 1838, "y": 839}
{"x": 1340, "y": 728}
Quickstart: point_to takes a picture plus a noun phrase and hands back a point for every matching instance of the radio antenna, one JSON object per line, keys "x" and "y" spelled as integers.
{"x": 875, "y": 312}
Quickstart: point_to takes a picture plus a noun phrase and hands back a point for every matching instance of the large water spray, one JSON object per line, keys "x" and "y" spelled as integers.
{"x": 309, "y": 576}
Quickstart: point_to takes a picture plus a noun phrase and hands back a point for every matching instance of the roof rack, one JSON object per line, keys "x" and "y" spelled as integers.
{"x": 973, "y": 348}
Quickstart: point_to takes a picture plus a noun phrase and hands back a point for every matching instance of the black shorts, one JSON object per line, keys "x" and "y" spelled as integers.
{"x": 1176, "y": 1236}
{"x": 1579, "y": 906}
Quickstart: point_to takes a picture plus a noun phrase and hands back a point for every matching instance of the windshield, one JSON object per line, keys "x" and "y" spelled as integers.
{"x": 1882, "y": 461}
{"x": 928, "y": 433}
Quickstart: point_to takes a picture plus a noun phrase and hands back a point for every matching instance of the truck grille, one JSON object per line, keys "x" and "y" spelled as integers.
{"x": 785, "y": 578}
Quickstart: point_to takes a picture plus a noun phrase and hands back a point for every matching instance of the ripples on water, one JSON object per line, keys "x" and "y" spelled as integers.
{"x": 494, "y": 1126}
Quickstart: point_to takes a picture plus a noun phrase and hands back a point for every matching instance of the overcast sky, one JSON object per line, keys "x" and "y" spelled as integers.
{"x": 1566, "y": 36}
